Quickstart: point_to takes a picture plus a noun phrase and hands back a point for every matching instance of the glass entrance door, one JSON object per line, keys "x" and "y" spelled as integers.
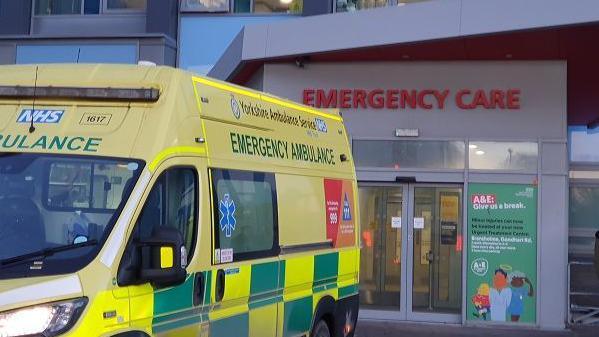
{"x": 382, "y": 215}
{"x": 436, "y": 260}
{"x": 411, "y": 258}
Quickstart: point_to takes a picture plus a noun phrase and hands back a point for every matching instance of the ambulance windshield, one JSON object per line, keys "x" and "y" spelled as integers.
{"x": 52, "y": 201}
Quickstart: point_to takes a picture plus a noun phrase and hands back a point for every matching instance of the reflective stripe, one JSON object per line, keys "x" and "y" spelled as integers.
{"x": 227, "y": 87}
{"x": 62, "y": 287}
{"x": 175, "y": 150}
{"x": 118, "y": 234}
{"x": 195, "y": 91}
{"x": 270, "y": 99}
{"x": 304, "y": 281}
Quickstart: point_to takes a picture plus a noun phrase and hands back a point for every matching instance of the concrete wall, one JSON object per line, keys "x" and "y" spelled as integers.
{"x": 541, "y": 118}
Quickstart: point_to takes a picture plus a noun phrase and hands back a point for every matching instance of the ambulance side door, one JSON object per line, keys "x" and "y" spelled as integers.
{"x": 246, "y": 273}
{"x": 172, "y": 201}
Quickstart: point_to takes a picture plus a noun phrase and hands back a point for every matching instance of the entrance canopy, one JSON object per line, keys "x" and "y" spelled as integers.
{"x": 465, "y": 30}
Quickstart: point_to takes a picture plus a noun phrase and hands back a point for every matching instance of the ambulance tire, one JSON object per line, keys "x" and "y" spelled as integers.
{"x": 325, "y": 312}
{"x": 321, "y": 329}
{"x": 132, "y": 334}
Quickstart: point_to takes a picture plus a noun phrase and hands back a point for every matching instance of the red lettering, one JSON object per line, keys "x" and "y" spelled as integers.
{"x": 326, "y": 100}
{"x": 359, "y": 98}
{"x": 459, "y": 99}
{"x": 480, "y": 99}
{"x": 497, "y": 99}
{"x": 513, "y": 99}
{"x": 345, "y": 98}
{"x": 309, "y": 97}
{"x": 421, "y": 102}
{"x": 376, "y": 99}
{"x": 427, "y": 99}
{"x": 441, "y": 98}
{"x": 392, "y": 99}
{"x": 409, "y": 98}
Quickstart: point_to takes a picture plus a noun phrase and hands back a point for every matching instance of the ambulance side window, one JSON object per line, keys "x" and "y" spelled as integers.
{"x": 245, "y": 215}
{"x": 172, "y": 202}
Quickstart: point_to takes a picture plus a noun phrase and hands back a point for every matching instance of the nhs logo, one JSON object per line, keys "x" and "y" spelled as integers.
{"x": 40, "y": 116}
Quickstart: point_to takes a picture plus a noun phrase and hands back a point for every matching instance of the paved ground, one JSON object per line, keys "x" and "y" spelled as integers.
{"x": 392, "y": 329}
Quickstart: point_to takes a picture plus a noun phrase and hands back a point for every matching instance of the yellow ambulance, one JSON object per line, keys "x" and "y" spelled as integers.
{"x": 146, "y": 201}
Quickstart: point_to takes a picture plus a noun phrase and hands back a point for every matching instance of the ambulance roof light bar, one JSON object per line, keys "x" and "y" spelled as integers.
{"x": 81, "y": 93}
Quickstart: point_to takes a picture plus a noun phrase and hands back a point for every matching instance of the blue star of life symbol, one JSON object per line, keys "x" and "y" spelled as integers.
{"x": 226, "y": 207}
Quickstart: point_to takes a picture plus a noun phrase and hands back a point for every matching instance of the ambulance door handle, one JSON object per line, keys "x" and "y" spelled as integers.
{"x": 219, "y": 290}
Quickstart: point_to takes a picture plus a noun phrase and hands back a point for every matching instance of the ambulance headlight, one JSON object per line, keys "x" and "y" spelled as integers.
{"x": 42, "y": 320}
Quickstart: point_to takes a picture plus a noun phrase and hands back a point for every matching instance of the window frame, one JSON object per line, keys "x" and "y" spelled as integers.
{"x": 216, "y": 174}
{"x": 196, "y": 211}
{"x": 102, "y": 10}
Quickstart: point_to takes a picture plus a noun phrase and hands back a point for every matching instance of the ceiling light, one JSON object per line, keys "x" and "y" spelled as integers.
{"x": 480, "y": 152}
{"x": 473, "y": 146}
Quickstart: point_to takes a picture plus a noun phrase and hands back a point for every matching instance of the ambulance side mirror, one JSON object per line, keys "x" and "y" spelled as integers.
{"x": 597, "y": 253}
{"x": 163, "y": 258}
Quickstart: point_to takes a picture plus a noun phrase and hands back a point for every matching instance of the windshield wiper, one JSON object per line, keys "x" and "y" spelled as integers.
{"x": 46, "y": 252}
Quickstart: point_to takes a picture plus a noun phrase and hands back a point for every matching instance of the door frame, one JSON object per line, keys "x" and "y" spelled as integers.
{"x": 424, "y": 316}
{"x": 405, "y": 312}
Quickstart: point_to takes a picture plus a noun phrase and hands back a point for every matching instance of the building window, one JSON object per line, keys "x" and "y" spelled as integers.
{"x": 400, "y": 154}
{"x": 125, "y": 5}
{"x": 584, "y": 218}
{"x": 278, "y": 6}
{"x": 77, "y": 7}
{"x": 510, "y": 156}
{"x": 57, "y": 7}
{"x": 245, "y": 215}
{"x": 583, "y": 142}
{"x": 243, "y": 6}
{"x": 205, "y": 5}
{"x": 354, "y": 5}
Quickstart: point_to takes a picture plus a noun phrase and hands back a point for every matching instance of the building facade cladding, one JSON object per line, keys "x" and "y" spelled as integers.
{"x": 102, "y": 35}
{"x": 476, "y": 105}
{"x": 206, "y": 31}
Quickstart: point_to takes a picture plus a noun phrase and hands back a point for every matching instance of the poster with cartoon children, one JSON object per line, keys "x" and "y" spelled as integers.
{"x": 505, "y": 300}
{"x": 502, "y": 253}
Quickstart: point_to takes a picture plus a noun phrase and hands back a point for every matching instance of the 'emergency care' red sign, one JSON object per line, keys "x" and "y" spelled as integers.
{"x": 428, "y": 99}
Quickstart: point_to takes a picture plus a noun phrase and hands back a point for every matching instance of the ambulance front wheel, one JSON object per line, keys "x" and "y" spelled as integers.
{"x": 321, "y": 329}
